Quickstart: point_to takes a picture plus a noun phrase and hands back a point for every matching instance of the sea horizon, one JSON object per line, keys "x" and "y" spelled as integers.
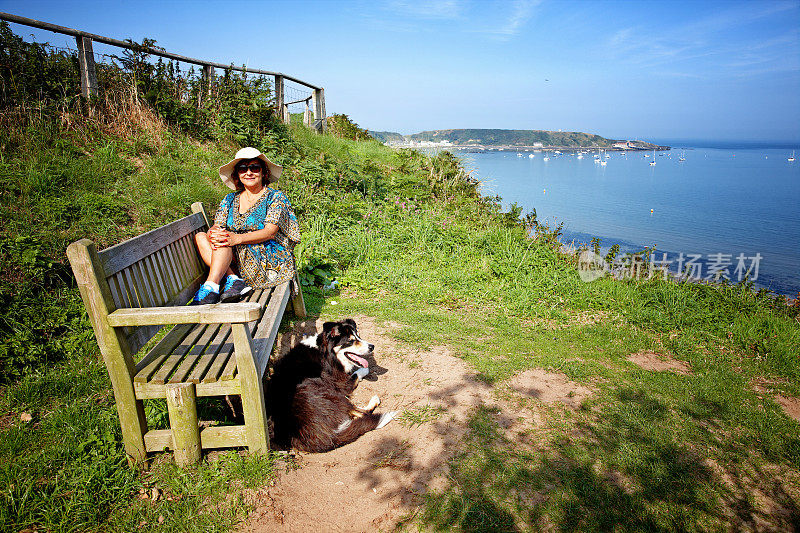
{"x": 678, "y": 142}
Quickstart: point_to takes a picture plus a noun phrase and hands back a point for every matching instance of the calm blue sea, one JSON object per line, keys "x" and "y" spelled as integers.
{"x": 728, "y": 199}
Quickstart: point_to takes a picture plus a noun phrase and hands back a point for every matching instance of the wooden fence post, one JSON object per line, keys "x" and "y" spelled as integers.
{"x": 86, "y": 66}
{"x": 318, "y": 98}
{"x": 307, "y": 116}
{"x": 279, "y": 96}
{"x": 287, "y": 117}
{"x": 205, "y": 85}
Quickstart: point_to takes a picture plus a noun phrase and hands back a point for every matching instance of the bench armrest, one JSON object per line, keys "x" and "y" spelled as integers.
{"x": 187, "y": 314}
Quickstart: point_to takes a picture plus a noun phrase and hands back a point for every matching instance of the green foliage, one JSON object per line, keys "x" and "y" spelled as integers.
{"x": 342, "y": 126}
{"x": 42, "y": 318}
{"x": 31, "y": 73}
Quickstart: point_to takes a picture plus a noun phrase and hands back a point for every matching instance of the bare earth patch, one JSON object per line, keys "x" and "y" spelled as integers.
{"x": 659, "y": 363}
{"x": 549, "y": 387}
{"x": 577, "y": 318}
{"x": 790, "y": 405}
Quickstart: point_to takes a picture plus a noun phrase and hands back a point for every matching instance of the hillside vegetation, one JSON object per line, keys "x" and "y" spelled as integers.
{"x": 411, "y": 241}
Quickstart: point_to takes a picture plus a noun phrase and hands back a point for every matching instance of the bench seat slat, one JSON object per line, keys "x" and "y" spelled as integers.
{"x": 229, "y": 372}
{"x": 178, "y": 351}
{"x": 182, "y": 373}
{"x": 215, "y": 370}
{"x": 183, "y": 351}
{"x": 212, "y": 348}
{"x": 149, "y": 364}
{"x": 263, "y": 301}
{"x": 126, "y": 253}
{"x": 166, "y": 368}
{"x": 222, "y": 348}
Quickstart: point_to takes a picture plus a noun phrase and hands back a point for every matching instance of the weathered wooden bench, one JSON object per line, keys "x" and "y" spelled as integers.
{"x": 134, "y": 288}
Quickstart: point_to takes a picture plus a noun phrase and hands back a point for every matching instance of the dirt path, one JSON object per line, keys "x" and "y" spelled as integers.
{"x": 371, "y": 483}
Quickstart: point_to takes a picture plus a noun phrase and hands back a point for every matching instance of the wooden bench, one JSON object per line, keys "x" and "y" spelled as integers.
{"x": 130, "y": 290}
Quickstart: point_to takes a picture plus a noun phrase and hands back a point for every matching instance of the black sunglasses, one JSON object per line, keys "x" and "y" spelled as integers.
{"x": 254, "y": 167}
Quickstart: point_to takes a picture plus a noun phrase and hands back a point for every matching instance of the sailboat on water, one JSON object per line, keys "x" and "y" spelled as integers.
{"x": 791, "y": 159}
{"x": 683, "y": 156}
{"x": 653, "y": 162}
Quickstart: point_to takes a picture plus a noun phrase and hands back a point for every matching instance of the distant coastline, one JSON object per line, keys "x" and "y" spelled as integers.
{"x": 511, "y": 140}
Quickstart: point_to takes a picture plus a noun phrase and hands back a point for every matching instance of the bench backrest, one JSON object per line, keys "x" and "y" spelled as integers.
{"x": 159, "y": 268}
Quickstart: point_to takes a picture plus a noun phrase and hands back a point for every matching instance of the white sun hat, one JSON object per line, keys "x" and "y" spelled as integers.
{"x": 226, "y": 171}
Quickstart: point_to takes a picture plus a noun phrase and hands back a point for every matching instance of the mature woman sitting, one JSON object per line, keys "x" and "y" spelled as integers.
{"x": 254, "y": 231}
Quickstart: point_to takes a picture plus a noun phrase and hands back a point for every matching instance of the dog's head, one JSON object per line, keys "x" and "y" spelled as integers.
{"x": 341, "y": 341}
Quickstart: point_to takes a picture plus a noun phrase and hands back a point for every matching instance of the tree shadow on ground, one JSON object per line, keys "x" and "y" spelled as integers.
{"x": 623, "y": 468}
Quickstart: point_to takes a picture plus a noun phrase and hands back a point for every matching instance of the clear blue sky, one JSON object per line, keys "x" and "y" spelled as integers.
{"x": 633, "y": 69}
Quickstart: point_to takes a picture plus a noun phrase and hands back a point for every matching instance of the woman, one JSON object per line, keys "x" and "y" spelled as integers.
{"x": 254, "y": 229}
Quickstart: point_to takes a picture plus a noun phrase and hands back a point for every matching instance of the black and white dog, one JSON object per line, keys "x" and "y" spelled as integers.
{"x": 308, "y": 395}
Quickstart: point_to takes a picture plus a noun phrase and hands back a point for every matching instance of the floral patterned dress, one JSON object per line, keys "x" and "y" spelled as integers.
{"x": 268, "y": 263}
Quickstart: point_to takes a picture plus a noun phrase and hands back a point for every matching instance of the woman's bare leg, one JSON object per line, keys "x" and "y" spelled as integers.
{"x": 219, "y": 260}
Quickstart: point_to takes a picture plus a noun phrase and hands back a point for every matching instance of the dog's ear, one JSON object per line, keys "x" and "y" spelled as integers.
{"x": 331, "y": 329}
{"x": 349, "y": 322}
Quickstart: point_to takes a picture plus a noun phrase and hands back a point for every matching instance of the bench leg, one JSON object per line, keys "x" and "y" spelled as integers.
{"x": 253, "y": 405}
{"x": 298, "y": 304}
{"x": 182, "y": 408}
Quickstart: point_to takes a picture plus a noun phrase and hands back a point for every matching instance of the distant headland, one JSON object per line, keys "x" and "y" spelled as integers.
{"x": 495, "y": 139}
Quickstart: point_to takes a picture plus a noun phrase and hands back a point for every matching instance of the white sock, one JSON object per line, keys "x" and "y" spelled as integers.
{"x": 214, "y": 287}
{"x": 234, "y": 277}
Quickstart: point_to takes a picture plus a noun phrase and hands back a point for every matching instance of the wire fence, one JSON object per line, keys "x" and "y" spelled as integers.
{"x": 190, "y": 78}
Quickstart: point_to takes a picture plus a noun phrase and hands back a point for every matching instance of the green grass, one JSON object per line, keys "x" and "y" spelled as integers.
{"x": 419, "y": 415}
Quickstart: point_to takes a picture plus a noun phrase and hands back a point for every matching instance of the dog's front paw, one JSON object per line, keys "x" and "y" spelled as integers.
{"x": 373, "y": 403}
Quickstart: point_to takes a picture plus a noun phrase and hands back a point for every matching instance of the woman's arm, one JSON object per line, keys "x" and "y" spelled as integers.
{"x": 223, "y": 237}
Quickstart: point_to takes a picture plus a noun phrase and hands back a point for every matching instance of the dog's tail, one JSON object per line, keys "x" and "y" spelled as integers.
{"x": 353, "y": 429}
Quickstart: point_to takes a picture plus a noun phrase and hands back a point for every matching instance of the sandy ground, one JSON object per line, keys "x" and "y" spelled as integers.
{"x": 370, "y": 484}
{"x": 659, "y": 363}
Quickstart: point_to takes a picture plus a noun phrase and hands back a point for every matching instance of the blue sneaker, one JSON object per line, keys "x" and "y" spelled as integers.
{"x": 234, "y": 289}
{"x": 205, "y": 295}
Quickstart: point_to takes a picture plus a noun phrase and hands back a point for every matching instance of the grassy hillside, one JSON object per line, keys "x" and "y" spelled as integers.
{"x": 412, "y": 242}
{"x": 387, "y": 136}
